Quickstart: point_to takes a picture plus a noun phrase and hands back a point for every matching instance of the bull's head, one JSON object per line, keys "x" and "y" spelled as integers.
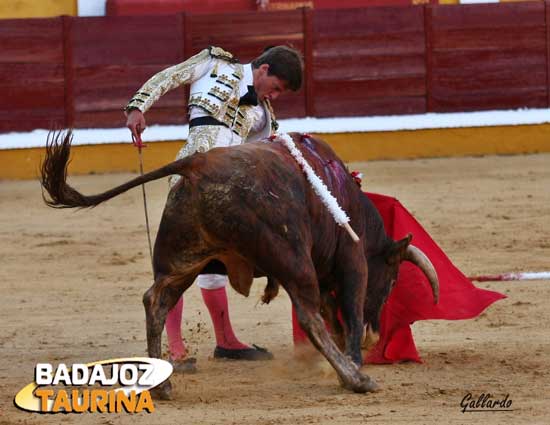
{"x": 383, "y": 269}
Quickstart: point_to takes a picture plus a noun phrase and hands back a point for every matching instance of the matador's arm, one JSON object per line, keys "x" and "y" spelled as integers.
{"x": 184, "y": 73}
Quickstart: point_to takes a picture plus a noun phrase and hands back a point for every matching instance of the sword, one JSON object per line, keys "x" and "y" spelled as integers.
{"x": 139, "y": 145}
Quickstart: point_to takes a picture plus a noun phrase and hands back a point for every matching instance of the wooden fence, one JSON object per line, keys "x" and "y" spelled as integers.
{"x": 80, "y": 72}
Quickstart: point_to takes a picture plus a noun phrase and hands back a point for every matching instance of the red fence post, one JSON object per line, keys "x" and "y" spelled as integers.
{"x": 187, "y": 47}
{"x": 428, "y": 34}
{"x": 547, "y": 25}
{"x": 187, "y": 36}
{"x": 67, "y": 22}
{"x": 307, "y": 14}
{"x": 181, "y": 25}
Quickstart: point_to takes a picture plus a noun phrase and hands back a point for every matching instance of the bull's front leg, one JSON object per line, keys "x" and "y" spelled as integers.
{"x": 351, "y": 300}
{"x": 352, "y": 276}
{"x": 329, "y": 312}
{"x": 348, "y": 372}
{"x": 304, "y": 293}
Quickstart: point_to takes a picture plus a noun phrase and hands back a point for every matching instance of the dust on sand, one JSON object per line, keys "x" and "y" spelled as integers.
{"x": 73, "y": 280}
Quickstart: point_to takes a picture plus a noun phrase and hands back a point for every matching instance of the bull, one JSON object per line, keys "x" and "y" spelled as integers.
{"x": 248, "y": 211}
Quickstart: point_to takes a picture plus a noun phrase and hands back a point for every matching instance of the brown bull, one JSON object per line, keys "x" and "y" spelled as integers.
{"x": 249, "y": 211}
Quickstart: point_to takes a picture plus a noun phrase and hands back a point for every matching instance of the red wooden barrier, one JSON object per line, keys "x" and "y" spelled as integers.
{"x": 488, "y": 56}
{"x": 360, "y": 4}
{"x": 308, "y": 62}
{"x": 67, "y": 23}
{"x": 113, "y": 56}
{"x": 369, "y": 61}
{"x": 387, "y": 60}
{"x": 31, "y": 74}
{"x": 547, "y": 17}
{"x": 170, "y": 7}
{"x": 167, "y": 7}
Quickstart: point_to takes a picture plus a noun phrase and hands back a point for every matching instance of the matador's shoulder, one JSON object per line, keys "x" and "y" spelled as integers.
{"x": 219, "y": 53}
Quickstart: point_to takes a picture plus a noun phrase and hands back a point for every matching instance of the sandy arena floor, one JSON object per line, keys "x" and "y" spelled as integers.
{"x": 72, "y": 283}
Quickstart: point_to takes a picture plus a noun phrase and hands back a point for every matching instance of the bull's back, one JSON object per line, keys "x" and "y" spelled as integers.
{"x": 249, "y": 196}
{"x": 237, "y": 194}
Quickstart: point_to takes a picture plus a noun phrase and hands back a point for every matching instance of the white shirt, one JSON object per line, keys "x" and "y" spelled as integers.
{"x": 258, "y": 112}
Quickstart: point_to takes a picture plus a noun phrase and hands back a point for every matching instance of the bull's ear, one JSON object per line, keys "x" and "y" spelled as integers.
{"x": 396, "y": 253}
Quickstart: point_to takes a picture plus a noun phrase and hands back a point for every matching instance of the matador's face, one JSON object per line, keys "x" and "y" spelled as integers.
{"x": 267, "y": 86}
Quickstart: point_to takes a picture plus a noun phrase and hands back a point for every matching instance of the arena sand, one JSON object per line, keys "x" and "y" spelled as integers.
{"x": 72, "y": 283}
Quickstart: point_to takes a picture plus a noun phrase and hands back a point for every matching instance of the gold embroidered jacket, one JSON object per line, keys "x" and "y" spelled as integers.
{"x": 217, "y": 84}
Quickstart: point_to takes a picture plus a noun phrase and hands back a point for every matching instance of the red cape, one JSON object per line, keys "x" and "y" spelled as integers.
{"x": 411, "y": 298}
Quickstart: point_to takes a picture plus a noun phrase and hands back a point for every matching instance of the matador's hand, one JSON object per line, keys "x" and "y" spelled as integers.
{"x": 136, "y": 123}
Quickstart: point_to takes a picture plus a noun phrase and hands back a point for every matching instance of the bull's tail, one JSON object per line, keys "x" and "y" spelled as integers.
{"x": 54, "y": 176}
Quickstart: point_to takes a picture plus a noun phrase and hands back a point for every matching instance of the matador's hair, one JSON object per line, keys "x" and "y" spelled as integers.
{"x": 284, "y": 63}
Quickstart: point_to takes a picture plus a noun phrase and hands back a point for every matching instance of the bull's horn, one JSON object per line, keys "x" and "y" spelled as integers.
{"x": 418, "y": 258}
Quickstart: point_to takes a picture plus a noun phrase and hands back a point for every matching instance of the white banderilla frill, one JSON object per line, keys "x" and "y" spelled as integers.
{"x": 318, "y": 186}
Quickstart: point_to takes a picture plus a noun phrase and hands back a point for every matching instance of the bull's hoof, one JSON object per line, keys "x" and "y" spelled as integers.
{"x": 362, "y": 384}
{"x": 366, "y": 385}
{"x": 163, "y": 391}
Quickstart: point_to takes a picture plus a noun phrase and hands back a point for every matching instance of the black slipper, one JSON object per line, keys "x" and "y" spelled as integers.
{"x": 253, "y": 353}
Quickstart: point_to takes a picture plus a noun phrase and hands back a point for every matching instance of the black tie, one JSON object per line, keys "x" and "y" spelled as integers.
{"x": 250, "y": 98}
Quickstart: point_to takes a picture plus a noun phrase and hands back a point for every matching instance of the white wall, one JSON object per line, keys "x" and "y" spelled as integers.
{"x": 91, "y": 7}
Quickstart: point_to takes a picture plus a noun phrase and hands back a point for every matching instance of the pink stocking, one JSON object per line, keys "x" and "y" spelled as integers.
{"x": 216, "y": 301}
{"x": 173, "y": 331}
